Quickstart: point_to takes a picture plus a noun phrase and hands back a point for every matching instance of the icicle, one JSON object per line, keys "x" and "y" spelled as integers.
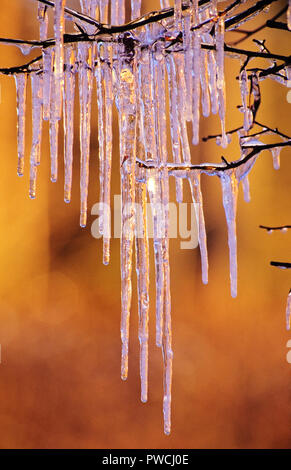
{"x": 246, "y": 188}
{"x": 127, "y": 110}
{"x": 229, "y": 191}
{"x": 114, "y": 13}
{"x": 154, "y": 191}
{"x": 167, "y": 325}
{"x": 288, "y": 312}
{"x": 43, "y": 21}
{"x": 121, "y": 11}
{"x": 59, "y": 55}
{"x": 243, "y": 80}
{"x": 146, "y": 97}
{"x": 21, "y": 83}
{"x": 68, "y": 120}
{"x": 25, "y": 48}
{"x": 85, "y": 93}
{"x": 289, "y": 15}
{"x": 108, "y": 99}
{"x": 54, "y": 131}
{"x": 196, "y": 86}
{"x": 182, "y": 98}
{"x": 47, "y": 60}
{"x": 194, "y": 180}
{"x": 212, "y": 81}
{"x": 101, "y": 136}
{"x": 276, "y": 157}
{"x": 56, "y": 87}
{"x": 188, "y": 59}
{"x": 164, "y": 4}
{"x": 204, "y": 84}
{"x": 142, "y": 270}
{"x": 36, "y": 91}
{"x": 177, "y": 14}
{"x": 47, "y": 55}
{"x": 135, "y": 9}
{"x": 174, "y": 123}
{"x": 219, "y": 36}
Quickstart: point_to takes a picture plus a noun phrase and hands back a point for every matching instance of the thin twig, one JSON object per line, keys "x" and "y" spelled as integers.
{"x": 280, "y": 264}
{"x": 281, "y": 227}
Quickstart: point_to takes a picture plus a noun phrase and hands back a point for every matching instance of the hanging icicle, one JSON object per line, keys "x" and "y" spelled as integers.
{"x": 127, "y": 121}
{"x": 142, "y": 270}
{"x": 276, "y": 157}
{"x": 37, "y": 98}
{"x": 68, "y": 120}
{"x": 21, "y": 83}
{"x": 229, "y": 192}
{"x": 243, "y": 80}
{"x": 219, "y": 37}
{"x": 194, "y": 180}
{"x": 289, "y": 15}
{"x": 85, "y": 92}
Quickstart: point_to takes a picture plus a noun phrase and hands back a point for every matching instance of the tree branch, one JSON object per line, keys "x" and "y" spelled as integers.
{"x": 270, "y": 229}
{"x": 212, "y": 169}
{"x": 280, "y": 264}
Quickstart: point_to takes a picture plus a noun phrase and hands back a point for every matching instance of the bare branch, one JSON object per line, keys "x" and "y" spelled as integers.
{"x": 280, "y": 264}
{"x": 271, "y": 229}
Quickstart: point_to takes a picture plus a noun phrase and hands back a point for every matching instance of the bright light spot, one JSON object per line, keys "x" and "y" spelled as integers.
{"x": 151, "y": 184}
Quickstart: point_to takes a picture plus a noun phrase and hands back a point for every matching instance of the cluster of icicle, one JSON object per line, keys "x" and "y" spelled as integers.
{"x": 135, "y": 74}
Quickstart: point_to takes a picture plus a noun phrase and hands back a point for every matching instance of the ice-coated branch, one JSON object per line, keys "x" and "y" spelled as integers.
{"x": 106, "y": 33}
{"x": 264, "y": 127}
{"x": 212, "y": 169}
{"x": 272, "y": 23}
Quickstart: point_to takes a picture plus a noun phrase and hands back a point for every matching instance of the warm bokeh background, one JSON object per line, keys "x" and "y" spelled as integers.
{"x": 60, "y": 307}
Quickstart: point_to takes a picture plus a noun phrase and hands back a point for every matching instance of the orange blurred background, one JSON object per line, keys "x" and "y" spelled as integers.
{"x": 60, "y": 381}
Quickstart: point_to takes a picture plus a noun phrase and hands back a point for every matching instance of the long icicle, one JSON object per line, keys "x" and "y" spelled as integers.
{"x": 167, "y": 325}
{"x": 108, "y": 99}
{"x": 68, "y": 120}
{"x": 57, "y": 86}
{"x": 101, "y": 130}
{"x": 142, "y": 270}
{"x": 85, "y": 92}
{"x": 164, "y": 197}
{"x": 229, "y": 192}
{"x": 21, "y": 84}
{"x": 155, "y": 197}
{"x": 47, "y": 59}
{"x": 196, "y": 86}
{"x": 36, "y": 92}
{"x": 174, "y": 123}
{"x": 127, "y": 110}
{"x": 219, "y": 36}
{"x": 59, "y": 55}
{"x": 194, "y": 180}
